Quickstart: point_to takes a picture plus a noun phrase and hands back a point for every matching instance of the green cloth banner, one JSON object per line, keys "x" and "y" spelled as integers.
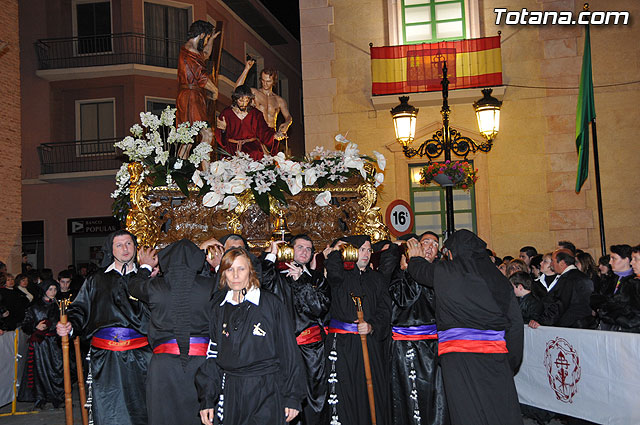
{"x": 585, "y": 113}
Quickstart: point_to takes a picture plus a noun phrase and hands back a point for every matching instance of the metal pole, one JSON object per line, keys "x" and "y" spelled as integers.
{"x": 448, "y": 190}
{"x": 596, "y": 161}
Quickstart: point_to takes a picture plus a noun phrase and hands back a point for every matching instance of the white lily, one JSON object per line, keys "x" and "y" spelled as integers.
{"x": 323, "y": 199}
{"x": 211, "y": 199}
{"x": 380, "y": 159}
{"x": 351, "y": 150}
{"x": 217, "y": 168}
{"x": 295, "y": 184}
{"x": 196, "y": 179}
{"x": 310, "y": 176}
{"x": 229, "y": 203}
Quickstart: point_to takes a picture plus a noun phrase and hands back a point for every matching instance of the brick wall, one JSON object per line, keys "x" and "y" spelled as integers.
{"x": 10, "y": 139}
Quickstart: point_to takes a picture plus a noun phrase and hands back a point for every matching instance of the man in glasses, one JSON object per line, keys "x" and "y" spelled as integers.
{"x": 304, "y": 290}
{"x": 480, "y": 330}
{"x": 414, "y": 345}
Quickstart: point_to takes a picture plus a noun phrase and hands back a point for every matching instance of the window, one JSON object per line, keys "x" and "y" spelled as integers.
{"x": 428, "y": 205}
{"x": 427, "y": 21}
{"x": 230, "y": 67}
{"x": 283, "y": 86}
{"x": 156, "y": 105}
{"x": 95, "y": 126}
{"x": 93, "y": 27}
{"x": 33, "y": 243}
{"x": 165, "y": 32}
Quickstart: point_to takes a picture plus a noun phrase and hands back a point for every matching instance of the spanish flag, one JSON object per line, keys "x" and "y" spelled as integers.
{"x": 418, "y": 67}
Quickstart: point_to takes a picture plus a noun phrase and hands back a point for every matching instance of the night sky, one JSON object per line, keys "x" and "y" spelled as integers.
{"x": 287, "y": 12}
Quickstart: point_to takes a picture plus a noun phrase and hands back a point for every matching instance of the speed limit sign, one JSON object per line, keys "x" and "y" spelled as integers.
{"x": 399, "y": 218}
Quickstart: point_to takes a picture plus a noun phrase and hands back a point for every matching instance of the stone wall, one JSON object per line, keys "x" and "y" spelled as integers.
{"x": 525, "y": 194}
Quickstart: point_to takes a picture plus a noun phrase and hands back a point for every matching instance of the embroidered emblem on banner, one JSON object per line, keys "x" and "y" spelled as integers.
{"x": 257, "y": 331}
{"x": 562, "y": 364}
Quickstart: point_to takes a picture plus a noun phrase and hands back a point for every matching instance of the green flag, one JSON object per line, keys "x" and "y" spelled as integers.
{"x": 585, "y": 113}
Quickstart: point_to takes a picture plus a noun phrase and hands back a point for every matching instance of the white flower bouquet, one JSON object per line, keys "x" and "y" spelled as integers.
{"x": 224, "y": 179}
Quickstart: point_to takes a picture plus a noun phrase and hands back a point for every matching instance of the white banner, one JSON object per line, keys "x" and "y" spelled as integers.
{"x": 593, "y": 375}
{"x": 7, "y": 360}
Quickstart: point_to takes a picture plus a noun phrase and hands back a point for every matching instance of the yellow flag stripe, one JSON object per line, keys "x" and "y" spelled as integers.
{"x": 468, "y": 64}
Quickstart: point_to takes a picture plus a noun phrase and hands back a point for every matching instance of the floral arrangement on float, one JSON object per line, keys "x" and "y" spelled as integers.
{"x": 459, "y": 174}
{"x": 155, "y": 143}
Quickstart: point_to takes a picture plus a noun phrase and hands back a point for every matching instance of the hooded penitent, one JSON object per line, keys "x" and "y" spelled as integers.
{"x": 408, "y": 236}
{"x": 356, "y": 240}
{"x": 180, "y": 262}
{"x": 471, "y": 251}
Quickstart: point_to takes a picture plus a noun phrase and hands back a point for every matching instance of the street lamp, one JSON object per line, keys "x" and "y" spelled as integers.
{"x": 447, "y": 139}
{"x": 404, "y": 121}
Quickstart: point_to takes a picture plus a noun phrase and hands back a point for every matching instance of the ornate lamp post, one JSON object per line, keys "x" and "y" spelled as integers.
{"x": 447, "y": 140}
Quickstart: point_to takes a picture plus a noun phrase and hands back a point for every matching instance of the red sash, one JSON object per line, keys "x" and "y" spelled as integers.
{"x": 309, "y": 335}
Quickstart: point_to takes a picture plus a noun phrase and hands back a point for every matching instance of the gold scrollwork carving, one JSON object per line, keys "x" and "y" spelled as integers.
{"x": 369, "y": 220}
{"x": 161, "y": 215}
{"x": 245, "y": 200}
{"x": 140, "y": 220}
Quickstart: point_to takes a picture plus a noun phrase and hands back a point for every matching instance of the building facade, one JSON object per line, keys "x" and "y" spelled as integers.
{"x": 11, "y": 188}
{"x": 525, "y": 194}
{"x": 88, "y": 68}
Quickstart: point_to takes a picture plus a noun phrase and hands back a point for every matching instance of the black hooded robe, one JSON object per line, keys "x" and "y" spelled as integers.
{"x": 474, "y": 298}
{"x": 348, "y": 397}
{"x": 253, "y": 368}
{"x": 179, "y": 304}
{"x": 104, "y": 302}
{"x": 307, "y": 301}
{"x": 413, "y": 311}
{"x": 42, "y": 378}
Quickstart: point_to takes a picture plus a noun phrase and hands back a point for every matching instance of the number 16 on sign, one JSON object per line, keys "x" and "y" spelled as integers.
{"x": 399, "y": 218}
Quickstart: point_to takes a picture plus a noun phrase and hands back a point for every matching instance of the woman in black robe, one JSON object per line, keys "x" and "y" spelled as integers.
{"x": 253, "y": 372}
{"x": 42, "y": 379}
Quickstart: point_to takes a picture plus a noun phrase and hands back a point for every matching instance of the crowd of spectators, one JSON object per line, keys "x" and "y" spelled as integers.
{"x": 19, "y": 292}
{"x": 568, "y": 288}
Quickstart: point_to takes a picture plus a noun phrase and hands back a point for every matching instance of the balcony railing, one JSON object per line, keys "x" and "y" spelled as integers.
{"x": 110, "y": 49}
{"x": 79, "y": 156}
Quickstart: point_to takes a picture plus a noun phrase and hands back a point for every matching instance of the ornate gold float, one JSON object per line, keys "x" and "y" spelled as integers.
{"x": 161, "y": 215}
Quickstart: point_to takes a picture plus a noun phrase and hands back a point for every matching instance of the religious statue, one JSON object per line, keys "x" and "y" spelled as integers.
{"x": 242, "y": 128}
{"x": 269, "y": 103}
{"x": 194, "y": 84}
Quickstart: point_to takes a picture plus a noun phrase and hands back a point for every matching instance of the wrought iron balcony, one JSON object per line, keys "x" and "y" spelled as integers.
{"x": 110, "y": 49}
{"x": 119, "y": 49}
{"x": 79, "y": 156}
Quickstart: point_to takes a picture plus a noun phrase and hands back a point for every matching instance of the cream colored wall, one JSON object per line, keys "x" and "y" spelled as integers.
{"x": 525, "y": 194}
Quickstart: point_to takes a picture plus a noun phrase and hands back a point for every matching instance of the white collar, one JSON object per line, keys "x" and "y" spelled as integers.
{"x": 543, "y": 281}
{"x": 131, "y": 268}
{"x": 571, "y": 267}
{"x": 253, "y": 296}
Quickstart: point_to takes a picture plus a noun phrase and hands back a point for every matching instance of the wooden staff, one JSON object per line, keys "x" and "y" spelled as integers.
{"x": 81, "y": 391}
{"x": 367, "y": 364}
{"x": 68, "y": 405}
